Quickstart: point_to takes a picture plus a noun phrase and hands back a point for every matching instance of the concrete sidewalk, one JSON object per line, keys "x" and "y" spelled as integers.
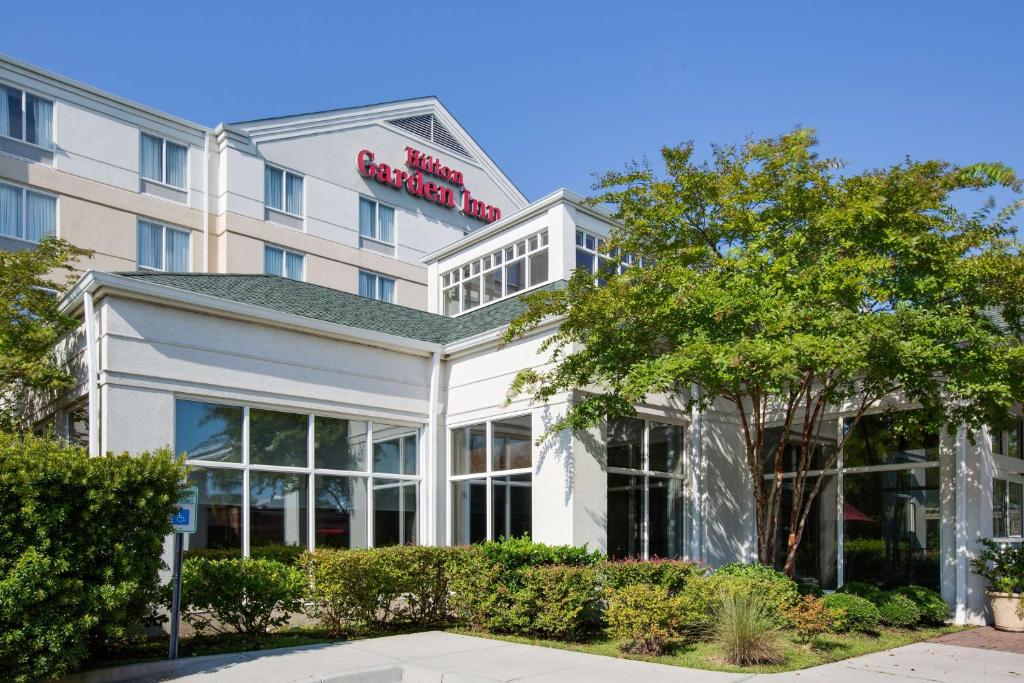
{"x": 436, "y": 656}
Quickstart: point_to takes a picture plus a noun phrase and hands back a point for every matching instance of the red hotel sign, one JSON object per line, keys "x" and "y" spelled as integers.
{"x": 417, "y": 183}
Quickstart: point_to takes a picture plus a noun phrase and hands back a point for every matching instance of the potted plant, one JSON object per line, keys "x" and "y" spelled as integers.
{"x": 1003, "y": 566}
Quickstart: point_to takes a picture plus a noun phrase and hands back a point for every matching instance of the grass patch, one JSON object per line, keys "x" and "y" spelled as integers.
{"x": 701, "y": 655}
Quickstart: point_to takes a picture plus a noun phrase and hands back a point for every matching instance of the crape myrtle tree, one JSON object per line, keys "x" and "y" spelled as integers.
{"x": 777, "y": 283}
{"x": 31, "y": 324}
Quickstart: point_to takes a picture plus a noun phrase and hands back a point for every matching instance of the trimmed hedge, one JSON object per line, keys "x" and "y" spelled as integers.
{"x": 287, "y": 554}
{"x": 933, "y": 608}
{"x": 772, "y": 587}
{"x": 81, "y": 545}
{"x": 899, "y": 611}
{"x": 670, "y": 574}
{"x": 852, "y": 613}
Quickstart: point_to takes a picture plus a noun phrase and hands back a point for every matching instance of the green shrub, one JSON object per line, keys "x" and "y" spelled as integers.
{"x": 873, "y": 594}
{"x": 852, "y": 613}
{"x": 746, "y": 628}
{"x": 375, "y": 589}
{"x": 772, "y": 587}
{"x": 81, "y": 546}
{"x": 486, "y": 579}
{"x": 642, "y": 616}
{"x": 671, "y": 574}
{"x": 933, "y": 608}
{"x": 899, "y": 611}
{"x": 557, "y": 601}
{"x": 287, "y": 554}
{"x": 244, "y": 595}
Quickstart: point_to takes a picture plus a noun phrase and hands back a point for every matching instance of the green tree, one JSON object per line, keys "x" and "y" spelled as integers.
{"x": 31, "y": 324}
{"x": 784, "y": 288}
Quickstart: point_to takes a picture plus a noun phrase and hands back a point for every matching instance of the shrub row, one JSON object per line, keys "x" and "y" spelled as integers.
{"x": 902, "y": 607}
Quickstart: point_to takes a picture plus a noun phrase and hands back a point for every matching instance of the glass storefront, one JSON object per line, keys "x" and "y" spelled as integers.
{"x": 261, "y": 485}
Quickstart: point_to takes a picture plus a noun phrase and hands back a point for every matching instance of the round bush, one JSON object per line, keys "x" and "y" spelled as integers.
{"x": 867, "y": 591}
{"x": 641, "y": 616}
{"x": 899, "y": 611}
{"x": 934, "y": 609}
{"x": 852, "y": 613}
{"x": 771, "y": 587}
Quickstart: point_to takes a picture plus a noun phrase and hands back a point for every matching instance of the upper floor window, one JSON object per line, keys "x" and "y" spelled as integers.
{"x": 592, "y": 254}
{"x": 163, "y": 161}
{"x": 505, "y": 272}
{"x": 282, "y": 190}
{"x": 24, "y": 116}
{"x": 376, "y": 221}
{"x": 280, "y": 261}
{"x": 162, "y": 247}
{"x": 27, "y": 214}
{"x": 374, "y": 286}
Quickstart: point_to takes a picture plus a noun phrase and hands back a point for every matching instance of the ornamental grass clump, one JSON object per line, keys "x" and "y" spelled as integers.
{"x": 746, "y": 629}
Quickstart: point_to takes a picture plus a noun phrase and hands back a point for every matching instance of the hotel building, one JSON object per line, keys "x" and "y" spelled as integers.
{"x": 310, "y": 308}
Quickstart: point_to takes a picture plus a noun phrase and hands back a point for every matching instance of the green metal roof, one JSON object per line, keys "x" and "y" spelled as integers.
{"x": 343, "y": 308}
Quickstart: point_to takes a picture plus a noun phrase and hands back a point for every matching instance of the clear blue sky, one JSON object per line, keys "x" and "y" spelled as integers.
{"x": 557, "y": 91}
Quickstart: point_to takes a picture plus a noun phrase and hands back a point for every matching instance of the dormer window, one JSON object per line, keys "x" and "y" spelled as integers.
{"x": 502, "y": 273}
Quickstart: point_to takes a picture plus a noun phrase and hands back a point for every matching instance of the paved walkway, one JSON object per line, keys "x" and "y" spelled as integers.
{"x": 435, "y": 657}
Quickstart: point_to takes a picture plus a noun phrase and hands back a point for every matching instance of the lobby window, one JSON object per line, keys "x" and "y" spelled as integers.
{"x": 646, "y": 489}
{"x": 491, "y": 480}
{"x": 282, "y": 190}
{"x": 163, "y": 161}
{"x": 376, "y": 221}
{"x": 27, "y": 214}
{"x": 1008, "y": 442}
{"x": 272, "y": 478}
{"x": 161, "y": 247}
{"x": 505, "y": 272}
{"x": 283, "y": 262}
{"x": 1007, "y": 502}
{"x": 374, "y": 286}
{"x": 26, "y": 117}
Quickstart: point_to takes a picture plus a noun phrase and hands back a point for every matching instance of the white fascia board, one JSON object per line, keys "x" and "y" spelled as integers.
{"x": 527, "y": 212}
{"x": 490, "y": 337}
{"x": 94, "y": 281}
{"x": 96, "y": 95}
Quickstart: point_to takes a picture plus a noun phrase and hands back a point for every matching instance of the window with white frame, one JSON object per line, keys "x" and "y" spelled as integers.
{"x": 594, "y": 256}
{"x": 375, "y": 286}
{"x": 1008, "y": 441}
{"x": 27, "y": 214}
{"x": 491, "y": 480}
{"x": 26, "y": 117}
{"x": 1007, "y": 504}
{"x": 271, "y": 478}
{"x": 161, "y": 247}
{"x": 646, "y": 489}
{"x": 163, "y": 161}
{"x": 282, "y": 190}
{"x": 376, "y": 221}
{"x": 283, "y": 262}
{"x": 503, "y": 273}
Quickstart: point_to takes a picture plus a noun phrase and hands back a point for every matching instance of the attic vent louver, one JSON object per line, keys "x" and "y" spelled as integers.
{"x": 429, "y": 128}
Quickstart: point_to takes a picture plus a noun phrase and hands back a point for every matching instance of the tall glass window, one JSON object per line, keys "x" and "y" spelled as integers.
{"x": 275, "y": 478}
{"x": 1007, "y": 499}
{"x": 491, "y": 481}
{"x": 646, "y": 489}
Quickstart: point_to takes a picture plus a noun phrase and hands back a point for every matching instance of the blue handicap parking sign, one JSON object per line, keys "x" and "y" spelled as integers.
{"x": 180, "y": 517}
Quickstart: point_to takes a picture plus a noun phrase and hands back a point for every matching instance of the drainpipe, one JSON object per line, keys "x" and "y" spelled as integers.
{"x": 206, "y": 202}
{"x": 435, "y": 381}
{"x": 91, "y": 367}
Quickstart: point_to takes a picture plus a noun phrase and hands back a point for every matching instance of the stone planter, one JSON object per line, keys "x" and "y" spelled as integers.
{"x": 1004, "y": 611}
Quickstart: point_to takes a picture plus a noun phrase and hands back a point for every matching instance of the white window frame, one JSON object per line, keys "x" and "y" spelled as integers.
{"x": 376, "y": 222}
{"x": 284, "y": 260}
{"x": 487, "y": 476}
{"x": 284, "y": 190}
{"x": 377, "y": 277}
{"x": 646, "y": 474}
{"x": 24, "y": 116}
{"x": 164, "y": 227}
{"x": 162, "y": 180}
{"x": 523, "y": 249}
{"x": 25, "y": 190}
{"x": 311, "y": 471}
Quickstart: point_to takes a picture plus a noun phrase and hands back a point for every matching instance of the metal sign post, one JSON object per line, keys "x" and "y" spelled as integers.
{"x": 183, "y": 522}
